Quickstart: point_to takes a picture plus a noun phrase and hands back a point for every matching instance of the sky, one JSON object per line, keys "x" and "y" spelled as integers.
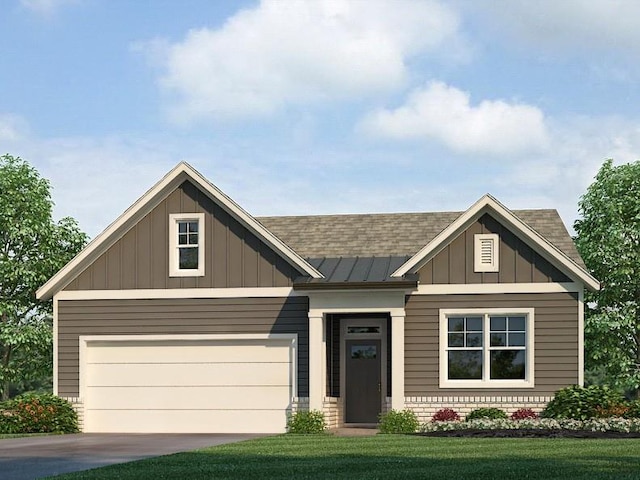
{"x": 321, "y": 107}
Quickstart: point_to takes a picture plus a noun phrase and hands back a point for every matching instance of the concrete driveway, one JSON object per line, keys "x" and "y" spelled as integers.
{"x": 36, "y": 457}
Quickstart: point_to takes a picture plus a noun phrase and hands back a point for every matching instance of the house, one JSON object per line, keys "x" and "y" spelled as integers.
{"x": 187, "y": 314}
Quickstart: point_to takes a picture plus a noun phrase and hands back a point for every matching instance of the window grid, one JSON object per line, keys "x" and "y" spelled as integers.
{"x": 186, "y": 245}
{"x": 459, "y": 326}
{"x": 187, "y": 233}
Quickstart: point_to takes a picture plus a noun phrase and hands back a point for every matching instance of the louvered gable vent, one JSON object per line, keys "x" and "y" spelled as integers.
{"x": 486, "y": 252}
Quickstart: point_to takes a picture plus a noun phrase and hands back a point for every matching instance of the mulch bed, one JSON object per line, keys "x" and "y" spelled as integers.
{"x": 529, "y": 433}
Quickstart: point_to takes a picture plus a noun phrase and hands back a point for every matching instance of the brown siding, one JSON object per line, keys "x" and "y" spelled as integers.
{"x": 518, "y": 262}
{"x": 556, "y": 340}
{"x": 181, "y": 316}
{"x": 234, "y": 256}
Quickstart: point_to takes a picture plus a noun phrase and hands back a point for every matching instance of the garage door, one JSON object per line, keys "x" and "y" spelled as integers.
{"x": 187, "y": 385}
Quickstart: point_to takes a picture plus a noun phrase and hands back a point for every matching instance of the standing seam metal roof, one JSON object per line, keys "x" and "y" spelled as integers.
{"x": 358, "y": 269}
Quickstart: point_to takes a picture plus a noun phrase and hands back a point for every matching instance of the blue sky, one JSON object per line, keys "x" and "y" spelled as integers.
{"x": 310, "y": 107}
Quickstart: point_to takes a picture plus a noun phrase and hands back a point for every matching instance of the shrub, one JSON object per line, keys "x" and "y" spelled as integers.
{"x": 523, "y": 414}
{"x": 445, "y": 415}
{"x": 581, "y": 403}
{"x": 486, "y": 412}
{"x": 633, "y": 409}
{"x": 615, "y": 410}
{"x": 399, "y": 421}
{"x": 307, "y": 421}
{"x": 38, "y": 413}
{"x": 7, "y": 422}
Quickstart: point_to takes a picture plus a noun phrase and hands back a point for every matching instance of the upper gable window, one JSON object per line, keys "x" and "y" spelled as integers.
{"x": 186, "y": 245}
{"x": 485, "y": 255}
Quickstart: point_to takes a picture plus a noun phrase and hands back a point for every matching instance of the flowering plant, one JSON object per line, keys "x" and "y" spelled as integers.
{"x": 611, "y": 424}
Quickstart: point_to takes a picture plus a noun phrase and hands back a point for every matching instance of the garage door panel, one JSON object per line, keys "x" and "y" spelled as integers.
{"x": 185, "y": 398}
{"x": 176, "y": 374}
{"x": 186, "y": 385}
{"x": 191, "y": 352}
{"x": 188, "y": 421}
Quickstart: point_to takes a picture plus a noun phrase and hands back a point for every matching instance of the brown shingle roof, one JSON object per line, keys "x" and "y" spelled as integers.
{"x": 393, "y": 234}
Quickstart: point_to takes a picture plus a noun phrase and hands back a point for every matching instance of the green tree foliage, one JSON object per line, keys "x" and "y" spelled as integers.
{"x": 32, "y": 248}
{"x": 608, "y": 238}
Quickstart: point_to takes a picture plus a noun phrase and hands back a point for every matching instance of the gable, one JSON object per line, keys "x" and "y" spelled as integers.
{"x": 518, "y": 262}
{"x": 487, "y": 204}
{"x": 146, "y": 204}
{"x": 234, "y": 256}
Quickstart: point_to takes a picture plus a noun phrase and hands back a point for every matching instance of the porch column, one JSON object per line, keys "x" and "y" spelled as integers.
{"x": 397, "y": 360}
{"x": 316, "y": 360}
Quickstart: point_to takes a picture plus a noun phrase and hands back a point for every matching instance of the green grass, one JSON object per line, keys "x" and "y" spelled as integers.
{"x": 391, "y": 457}
{"x": 19, "y": 435}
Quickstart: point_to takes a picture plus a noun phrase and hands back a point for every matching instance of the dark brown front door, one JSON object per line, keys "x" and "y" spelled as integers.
{"x": 362, "y": 378}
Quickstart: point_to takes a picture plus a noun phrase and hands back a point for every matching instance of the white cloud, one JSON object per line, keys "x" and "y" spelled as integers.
{"x": 586, "y": 25}
{"x": 95, "y": 179}
{"x": 12, "y": 127}
{"x": 45, "y": 7}
{"x": 578, "y": 147}
{"x": 445, "y": 114}
{"x": 290, "y": 53}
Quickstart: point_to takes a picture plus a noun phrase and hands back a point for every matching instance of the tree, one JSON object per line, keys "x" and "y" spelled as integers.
{"x": 608, "y": 238}
{"x": 32, "y": 248}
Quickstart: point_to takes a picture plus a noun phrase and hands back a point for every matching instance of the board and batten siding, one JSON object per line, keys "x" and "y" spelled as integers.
{"x": 181, "y": 317}
{"x": 556, "y": 341}
{"x": 234, "y": 257}
{"x": 517, "y": 261}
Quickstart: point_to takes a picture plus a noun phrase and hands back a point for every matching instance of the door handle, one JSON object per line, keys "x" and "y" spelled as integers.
{"x": 379, "y": 387}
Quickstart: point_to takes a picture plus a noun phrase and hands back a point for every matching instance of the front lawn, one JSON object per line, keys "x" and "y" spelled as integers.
{"x": 20, "y": 435}
{"x": 390, "y": 457}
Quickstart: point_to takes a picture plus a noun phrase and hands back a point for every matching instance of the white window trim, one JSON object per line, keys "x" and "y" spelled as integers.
{"x": 174, "y": 270}
{"x": 479, "y": 238}
{"x": 528, "y": 382}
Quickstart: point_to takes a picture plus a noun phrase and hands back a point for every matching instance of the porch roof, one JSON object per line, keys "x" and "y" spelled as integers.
{"x": 357, "y": 272}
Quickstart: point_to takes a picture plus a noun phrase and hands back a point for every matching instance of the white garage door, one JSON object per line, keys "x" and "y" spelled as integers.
{"x": 187, "y": 385}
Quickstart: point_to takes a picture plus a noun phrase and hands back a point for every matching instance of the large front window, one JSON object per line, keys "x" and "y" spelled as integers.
{"x": 486, "y": 348}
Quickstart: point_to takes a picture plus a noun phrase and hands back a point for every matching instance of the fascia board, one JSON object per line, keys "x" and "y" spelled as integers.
{"x": 109, "y": 235}
{"x": 432, "y": 248}
{"x": 145, "y": 204}
{"x": 489, "y": 204}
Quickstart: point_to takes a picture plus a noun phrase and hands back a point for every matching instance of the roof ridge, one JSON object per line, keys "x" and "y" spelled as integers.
{"x": 356, "y": 214}
{"x": 374, "y": 214}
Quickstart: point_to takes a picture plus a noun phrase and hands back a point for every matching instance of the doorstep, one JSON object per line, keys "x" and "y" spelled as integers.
{"x": 354, "y": 431}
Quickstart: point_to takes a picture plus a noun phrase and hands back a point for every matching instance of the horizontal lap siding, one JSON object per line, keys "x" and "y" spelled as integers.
{"x": 556, "y": 340}
{"x": 176, "y": 317}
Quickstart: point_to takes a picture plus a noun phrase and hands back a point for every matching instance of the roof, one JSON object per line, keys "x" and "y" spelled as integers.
{"x": 489, "y": 205}
{"x": 394, "y": 234}
{"x": 180, "y": 173}
{"x": 372, "y": 250}
{"x": 369, "y": 272}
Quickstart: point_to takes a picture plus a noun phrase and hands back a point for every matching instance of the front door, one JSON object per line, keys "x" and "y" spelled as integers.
{"x": 363, "y": 381}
